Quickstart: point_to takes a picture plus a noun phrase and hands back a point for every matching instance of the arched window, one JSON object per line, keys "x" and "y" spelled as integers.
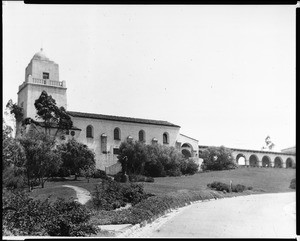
{"x": 165, "y": 138}
{"x": 89, "y": 131}
{"x": 117, "y": 134}
{"x": 141, "y": 135}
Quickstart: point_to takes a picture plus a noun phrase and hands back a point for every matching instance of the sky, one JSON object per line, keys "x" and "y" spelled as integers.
{"x": 224, "y": 73}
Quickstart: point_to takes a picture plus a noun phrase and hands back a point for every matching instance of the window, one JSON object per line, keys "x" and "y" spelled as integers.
{"x": 141, "y": 135}
{"x": 104, "y": 143}
{"x": 116, "y": 151}
{"x": 154, "y": 141}
{"x": 22, "y": 104}
{"x": 165, "y": 138}
{"x": 89, "y": 131}
{"x": 117, "y": 134}
{"x": 72, "y": 133}
{"x": 45, "y": 75}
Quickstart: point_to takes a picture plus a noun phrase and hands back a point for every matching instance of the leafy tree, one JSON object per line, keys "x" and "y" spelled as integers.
{"x": 13, "y": 159}
{"x": 52, "y": 115}
{"x": 17, "y": 112}
{"x": 42, "y": 159}
{"x": 217, "y": 158}
{"x": 76, "y": 157}
{"x": 136, "y": 154}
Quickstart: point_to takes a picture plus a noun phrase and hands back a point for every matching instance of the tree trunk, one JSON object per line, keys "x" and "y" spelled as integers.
{"x": 75, "y": 177}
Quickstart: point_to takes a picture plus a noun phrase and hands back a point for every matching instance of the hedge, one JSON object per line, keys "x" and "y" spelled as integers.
{"x": 152, "y": 207}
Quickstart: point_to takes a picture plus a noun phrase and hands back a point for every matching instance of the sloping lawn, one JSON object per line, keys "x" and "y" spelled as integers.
{"x": 270, "y": 180}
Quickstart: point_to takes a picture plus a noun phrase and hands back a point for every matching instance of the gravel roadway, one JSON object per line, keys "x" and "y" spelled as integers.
{"x": 252, "y": 216}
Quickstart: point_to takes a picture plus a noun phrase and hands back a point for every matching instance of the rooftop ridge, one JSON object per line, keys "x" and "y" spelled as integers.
{"x": 120, "y": 118}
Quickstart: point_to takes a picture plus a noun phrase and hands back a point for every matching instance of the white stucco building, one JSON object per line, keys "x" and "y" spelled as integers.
{"x": 101, "y": 133}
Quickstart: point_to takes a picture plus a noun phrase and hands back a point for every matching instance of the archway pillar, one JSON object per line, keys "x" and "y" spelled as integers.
{"x": 247, "y": 162}
{"x": 272, "y": 164}
{"x": 259, "y": 163}
{"x": 283, "y": 165}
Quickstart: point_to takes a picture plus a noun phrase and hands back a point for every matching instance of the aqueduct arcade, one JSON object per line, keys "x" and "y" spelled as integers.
{"x": 260, "y": 158}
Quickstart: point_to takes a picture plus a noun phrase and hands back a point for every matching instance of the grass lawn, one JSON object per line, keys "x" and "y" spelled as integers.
{"x": 270, "y": 180}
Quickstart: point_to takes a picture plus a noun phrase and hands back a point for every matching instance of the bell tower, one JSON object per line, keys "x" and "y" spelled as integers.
{"x": 41, "y": 74}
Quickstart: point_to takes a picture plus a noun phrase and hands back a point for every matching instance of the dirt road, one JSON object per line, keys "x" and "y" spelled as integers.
{"x": 254, "y": 216}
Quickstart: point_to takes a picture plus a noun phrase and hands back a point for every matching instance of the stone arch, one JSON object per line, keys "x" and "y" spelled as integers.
{"x": 253, "y": 161}
{"x": 187, "y": 150}
{"x": 266, "y": 161}
{"x": 278, "y": 162}
{"x": 289, "y": 162}
{"x": 240, "y": 159}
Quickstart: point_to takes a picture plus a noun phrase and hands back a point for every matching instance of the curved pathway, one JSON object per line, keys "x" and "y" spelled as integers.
{"x": 253, "y": 216}
{"x": 83, "y": 195}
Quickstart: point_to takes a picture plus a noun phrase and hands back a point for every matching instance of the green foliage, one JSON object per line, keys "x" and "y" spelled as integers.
{"x": 16, "y": 110}
{"x": 189, "y": 167}
{"x": 76, "y": 157}
{"x": 220, "y": 186}
{"x": 100, "y": 174}
{"x": 150, "y": 160}
{"x": 24, "y": 216}
{"x": 217, "y": 158}
{"x": 152, "y": 207}
{"x": 42, "y": 158}
{"x": 293, "y": 183}
{"x": 110, "y": 195}
{"x": 13, "y": 178}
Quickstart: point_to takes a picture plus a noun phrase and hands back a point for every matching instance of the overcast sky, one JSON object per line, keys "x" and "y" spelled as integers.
{"x": 225, "y": 74}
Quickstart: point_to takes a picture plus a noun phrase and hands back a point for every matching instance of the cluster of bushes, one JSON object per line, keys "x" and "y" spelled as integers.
{"x": 223, "y": 187}
{"x": 109, "y": 195}
{"x": 293, "y": 183}
{"x": 22, "y": 215}
{"x": 100, "y": 174}
{"x": 217, "y": 159}
{"x": 154, "y": 160}
{"x": 152, "y": 207}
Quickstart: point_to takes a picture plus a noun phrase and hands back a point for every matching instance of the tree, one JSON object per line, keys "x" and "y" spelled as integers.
{"x": 16, "y": 111}
{"x": 13, "y": 159}
{"x": 76, "y": 157}
{"x": 52, "y": 115}
{"x": 42, "y": 159}
{"x": 217, "y": 158}
{"x": 136, "y": 154}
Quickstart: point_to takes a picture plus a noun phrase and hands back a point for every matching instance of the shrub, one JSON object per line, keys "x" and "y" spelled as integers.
{"x": 24, "y": 216}
{"x": 110, "y": 195}
{"x": 140, "y": 178}
{"x": 293, "y": 184}
{"x": 100, "y": 174}
{"x": 174, "y": 172}
{"x": 238, "y": 188}
{"x": 219, "y": 186}
{"x": 121, "y": 177}
{"x": 217, "y": 158}
{"x": 189, "y": 167}
{"x": 12, "y": 179}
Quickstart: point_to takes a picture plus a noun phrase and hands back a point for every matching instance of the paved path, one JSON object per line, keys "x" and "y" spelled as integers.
{"x": 253, "y": 216}
{"x": 83, "y": 195}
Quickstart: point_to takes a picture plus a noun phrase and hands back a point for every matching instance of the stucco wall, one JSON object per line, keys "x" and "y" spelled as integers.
{"x": 37, "y": 67}
{"x": 126, "y": 129}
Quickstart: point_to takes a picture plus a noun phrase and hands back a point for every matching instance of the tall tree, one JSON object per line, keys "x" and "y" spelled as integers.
{"x": 52, "y": 115}
{"x": 42, "y": 159}
{"x": 76, "y": 157}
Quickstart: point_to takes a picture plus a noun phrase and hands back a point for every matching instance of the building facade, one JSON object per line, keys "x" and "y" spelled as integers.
{"x": 101, "y": 133}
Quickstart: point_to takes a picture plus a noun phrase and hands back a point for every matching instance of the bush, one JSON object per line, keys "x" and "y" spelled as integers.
{"x": 219, "y": 186}
{"x": 293, "y": 184}
{"x": 121, "y": 177}
{"x": 24, "y": 216}
{"x": 217, "y": 158}
{"x": 100, "y": 174}
{"x": 189, "y": 167}
{"x": 140, "y": 178}
{"x": 12, "y": 179}
{"x": 110, "y": 195}
{"x": 174, "y": 172}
